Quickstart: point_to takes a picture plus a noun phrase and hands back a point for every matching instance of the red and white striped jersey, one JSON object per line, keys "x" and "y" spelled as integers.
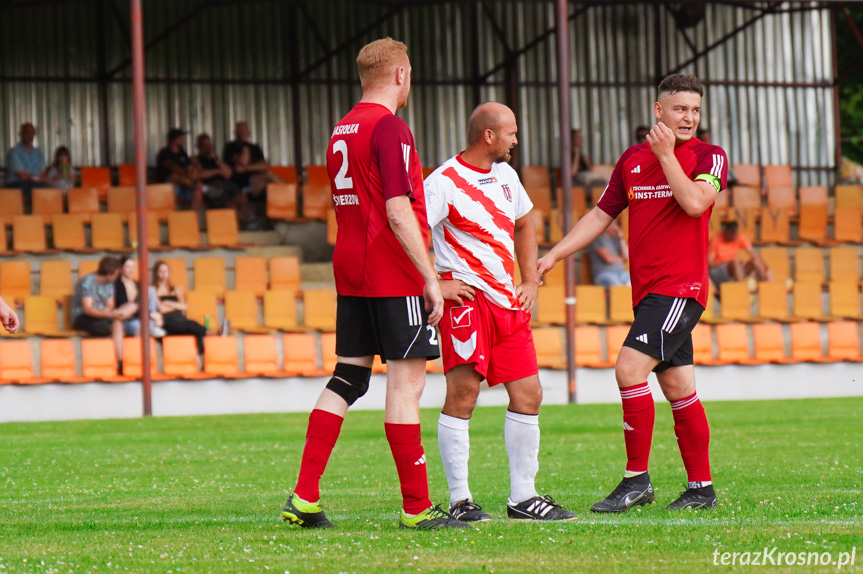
{"x": 472, "y": 215}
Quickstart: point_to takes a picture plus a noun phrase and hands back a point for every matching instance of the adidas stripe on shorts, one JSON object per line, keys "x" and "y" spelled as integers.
{"x": 663, "y": 329}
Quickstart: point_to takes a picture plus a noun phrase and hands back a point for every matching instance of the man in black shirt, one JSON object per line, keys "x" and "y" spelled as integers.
{"x": 219, "y": 190}
{"x": 251, "y": 170}
{"x": 174, "y": 166}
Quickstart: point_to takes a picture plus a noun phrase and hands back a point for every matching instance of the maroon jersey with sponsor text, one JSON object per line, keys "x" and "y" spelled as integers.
{"x": 667, "y": 248}
{"x": 371, "y": 158}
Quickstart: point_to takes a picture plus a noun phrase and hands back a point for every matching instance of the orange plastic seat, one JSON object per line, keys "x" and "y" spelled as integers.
{"x": 378, "y": 366}
{"x": 58, "y": 361}
{"x": 183, "y": 230}
{"x": 40, "y": 316}
{"x": 282, "y": 201}
{"x": 733, "y": 344}
{"x": 555, "y": 224}
{"x": 844, "y": 263}
{"x": 775, "y": 226}
{"x": 180, "y": 357}
{"x": 319, "y": 309}
{"x": 47, "y": 202}
{"x": 554, "y": 278}
{"x": 126, "y": 175}
{"x": 813, "y": 214}
{"x": 121, "y": 200}
{"x": 782, "y": 197}
{"x": 68, "y": 232}
{"x": 808, "y": 303}
{"x": 210, "y": 275}
{"x": 222, "y": 229}
{"x": 221, "y": 358}
{"x": 806, "y": 343}
{"x": 133, "y": 364}
{"x": 15, "y": 280}
{"x": 160, "y": 200}
{"x": 769, "y": 343}
{"x": 300, "y": 355}
{"x": 734, "y": 301}
{"x": 748, "y": 174}
{"x": 745, "y": 197}
{"x": 11, "y": 204}
{"x": 98, "y": 178}
{"x": 620, "y": 304}
{"x": 106, "y": 232}
{"x": 778, "y": 175}
{"x": 55, "y": 279}
{"x": 777, "y": 260}
{"x": 241, "y": 310}
{"x": 177, "y": 271}
{"x": 28, "y": 233}
{"x": 550, "y": 309}
{"x": 809, "y": 264}
{"x": 16, "y": 363}
{"x": 772, "y": 301}
{"x": 614, "y": 337}
{"x": 154, "y": 233}
{"x": 333, "y": 227}
{"x": 843, "y": 341}
{"x": 538, "y": 218}
{"x": 845, "y": 299}
{"x": 578, "y": 199}
{"x": 588, "y": 348}
{"x": 849, "y": 195}
{"x": 83, "y": 201}
{"x": 328, "y": 352}
{"x": 847, "y": 227}
{"x": 280, "y": 310}
{"x": 549, "y": 348}
{"x": 745, "y": 218}
{"x": 99, "y": 361}
{"x": 250, "y": 274}
{"x": 317, "y": 195}
{"x": 260, "y": 356}
{"x": 536, "y": 180}
{"x": 590, "y": 304}
{"x": 201, "y": 305}
{"x": 284, "y": 273}
{"x": 87, "y": 266}
{"x": 287, "y": 173}
{"x": 702, "y": 345}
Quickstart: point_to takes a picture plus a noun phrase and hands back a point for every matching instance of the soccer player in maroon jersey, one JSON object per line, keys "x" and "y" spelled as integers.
{"x": 669, "y": 185}
{"x": 389, "y": 300}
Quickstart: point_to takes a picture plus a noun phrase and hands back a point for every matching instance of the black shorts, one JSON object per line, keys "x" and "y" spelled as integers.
{"x": 663, "y": 329}
{"x": 392, "y": 327}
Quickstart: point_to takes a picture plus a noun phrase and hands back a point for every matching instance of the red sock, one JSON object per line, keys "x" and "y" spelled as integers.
{"x": 638, "y": 416}
{"x": 406, "y": 444}
{"x": 321, "y": 437}
{"x": 693, "y": 437}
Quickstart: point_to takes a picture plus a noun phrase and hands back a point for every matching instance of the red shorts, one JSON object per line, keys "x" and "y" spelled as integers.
{"x": 497, "y": 341}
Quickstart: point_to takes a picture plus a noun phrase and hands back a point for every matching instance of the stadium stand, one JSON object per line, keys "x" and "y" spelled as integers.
{"x": 221, "y": 358}
{"x": 106, "y": 232}
{"x": 11, "y": 205}
{"x": 317, "y": 195}
{"x": 83, "y": 201}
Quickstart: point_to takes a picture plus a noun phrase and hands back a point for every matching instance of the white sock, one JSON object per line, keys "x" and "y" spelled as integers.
{"x": 521, "y": 436}
{"x": 453, "y": 440}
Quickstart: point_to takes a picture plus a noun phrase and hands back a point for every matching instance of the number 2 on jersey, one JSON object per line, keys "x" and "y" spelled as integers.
{"x": 341, "y": 181}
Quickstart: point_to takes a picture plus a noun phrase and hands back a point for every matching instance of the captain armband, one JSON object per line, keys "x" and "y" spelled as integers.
{"x": 711, "y": 179}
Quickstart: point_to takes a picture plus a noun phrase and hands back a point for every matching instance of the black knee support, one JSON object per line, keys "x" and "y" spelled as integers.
{"x": 350, "y": 381}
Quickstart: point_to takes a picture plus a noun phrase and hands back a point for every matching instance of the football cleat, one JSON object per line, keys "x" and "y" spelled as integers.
{"x": 538, "y": 508}
{"x": 306, "y": 514}
{"x": 635, "y": 491}
{"x": 468, "y": 511}
{"x": 695, "y": 498}
{"x": 431, "y": 518}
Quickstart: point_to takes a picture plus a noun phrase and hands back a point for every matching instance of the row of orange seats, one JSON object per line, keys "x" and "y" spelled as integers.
{"x": 843, "y": 263}
{"x": 251, "y": 273}
{"x": 772, "y": 302}
{"x": 722, "y": 344}
{"x": 289, "y": 355}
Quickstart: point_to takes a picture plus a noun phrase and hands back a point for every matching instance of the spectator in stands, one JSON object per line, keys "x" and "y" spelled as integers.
{"x": 127, "y": 302}
{"x": 172, "y": 306}
{"x": 61, "y": 175}
{"x": 251, "y": 170}
{"x": 722, "y": 256}
{"x": 582, "y": 167}
{"x": 609, "y": 254}
{"x": 93, "y": 308}
{"x": 174, "y": 166}
{"x": 641, "y": 134}
{"x": 25, "y": 163}
{"x": 215, "y": 175}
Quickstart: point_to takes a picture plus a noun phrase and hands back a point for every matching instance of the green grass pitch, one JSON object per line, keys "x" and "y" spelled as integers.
{"x": 203, "y": 494}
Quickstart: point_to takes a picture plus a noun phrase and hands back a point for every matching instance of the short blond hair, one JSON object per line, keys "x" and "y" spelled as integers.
{"x": 377, "y": 59}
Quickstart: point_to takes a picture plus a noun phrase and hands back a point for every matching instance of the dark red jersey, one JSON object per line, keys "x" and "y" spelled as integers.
{"x": 667, "y": 248}
{"x": 371, "y": 158}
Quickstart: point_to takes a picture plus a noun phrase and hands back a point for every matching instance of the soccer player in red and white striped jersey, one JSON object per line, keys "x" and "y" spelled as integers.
{"x": 669, "y": 185}
{"x": 478, "y": 212}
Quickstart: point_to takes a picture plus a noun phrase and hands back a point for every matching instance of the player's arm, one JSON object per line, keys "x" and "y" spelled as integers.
{"x": 8, "y": 317}
{"x": 695, "y": 197}
{"x": 582, "y": 234}
{"x": 525, "y": 253}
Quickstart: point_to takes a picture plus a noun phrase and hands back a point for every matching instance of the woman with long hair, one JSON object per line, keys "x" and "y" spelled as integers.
{"x": 172, "y": 306}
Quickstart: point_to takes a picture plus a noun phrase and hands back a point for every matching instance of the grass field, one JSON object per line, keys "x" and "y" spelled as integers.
{"x": 203, "y": 494}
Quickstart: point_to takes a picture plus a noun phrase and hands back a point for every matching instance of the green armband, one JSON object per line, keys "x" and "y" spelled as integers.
{"x": 711, "y": 179}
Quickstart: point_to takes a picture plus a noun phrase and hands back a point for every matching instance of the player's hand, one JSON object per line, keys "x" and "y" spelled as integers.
{"x": 8, "y": 317}
{"x": 545, "y": 263}
{"x": 456, "y": 290}
{"x": 661, "y": 139}
{"x": 526, "y": 295}
{"x": 434, "y": 302}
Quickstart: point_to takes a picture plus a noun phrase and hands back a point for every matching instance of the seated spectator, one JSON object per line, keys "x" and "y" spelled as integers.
{"x": 174, "y": 166}
{"x": 582, "y": 167}
{"x": 127, "y": 301}
{"x": 172, "y": 306}
{"x": 722, "y": 256}
{"x": 609, "y": 254}
{"x": 93, "y": 309}
{"x": 251, "y": 170}
{"x": 219, "y": 191}
{"x": 25, "y": 164}
{"x": 61, "y": 175}
{"x": 641, "y": 134}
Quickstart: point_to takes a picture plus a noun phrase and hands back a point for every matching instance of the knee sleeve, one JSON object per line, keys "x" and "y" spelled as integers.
{"x": 350, "y": 381}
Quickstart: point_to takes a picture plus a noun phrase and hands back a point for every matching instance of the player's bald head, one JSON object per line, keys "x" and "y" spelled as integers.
{"x": 487, "y": 116}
